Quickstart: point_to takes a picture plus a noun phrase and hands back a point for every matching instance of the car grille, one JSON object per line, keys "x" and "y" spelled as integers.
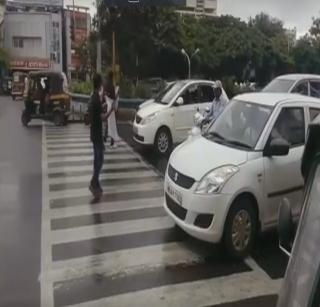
{"x": 138, "y": 119}
{"x": 180, "y": 179}
{"x": 175, "y": 208}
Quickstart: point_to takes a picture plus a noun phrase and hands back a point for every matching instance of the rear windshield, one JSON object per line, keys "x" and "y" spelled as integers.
{"x": 279, "y": 86}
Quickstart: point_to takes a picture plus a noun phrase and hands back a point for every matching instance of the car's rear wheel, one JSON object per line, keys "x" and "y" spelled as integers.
{"x": 25, "y": 118}
{"x": 163, "y": 141}
{"x": 240, "y": 228}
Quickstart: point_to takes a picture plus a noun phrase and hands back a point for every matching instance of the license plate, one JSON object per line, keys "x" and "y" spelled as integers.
{"x": 174, "y": 194}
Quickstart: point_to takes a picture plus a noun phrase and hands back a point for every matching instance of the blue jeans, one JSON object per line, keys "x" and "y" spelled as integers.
{"x": 98, "y": 153}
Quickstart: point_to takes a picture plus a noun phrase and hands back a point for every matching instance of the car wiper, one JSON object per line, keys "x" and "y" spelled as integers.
{"x": 217, "y": 135}
{"x": 237, "y": 143}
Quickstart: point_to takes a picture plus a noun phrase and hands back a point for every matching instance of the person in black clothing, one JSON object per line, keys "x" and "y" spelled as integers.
{"x": 96, "y": 135}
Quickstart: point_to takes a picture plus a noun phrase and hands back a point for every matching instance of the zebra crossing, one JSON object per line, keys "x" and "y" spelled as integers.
{"x": 124, "y": 250}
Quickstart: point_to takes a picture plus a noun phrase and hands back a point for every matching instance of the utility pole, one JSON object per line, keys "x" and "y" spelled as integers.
{"x": 98, "y": 41}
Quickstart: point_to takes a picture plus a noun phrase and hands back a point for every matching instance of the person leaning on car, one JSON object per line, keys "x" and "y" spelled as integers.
{"x": 218, "y": 104}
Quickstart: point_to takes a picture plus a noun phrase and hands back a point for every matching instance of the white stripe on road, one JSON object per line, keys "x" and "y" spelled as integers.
{"x": 140, "y": 187}
{"x": 46, "y": 287}
{"x": 106, "y": 166}
{"x": 110, "y": 229}
{"x": 125, "y": 262}
{"x": 105, "y": 207}
{"x": 207, "y": 292}
{"x": 84, "y": 140}
{"x": 90, "y": 158}
{"x": 82, "y": 151}
{"x": 126, "y": 175}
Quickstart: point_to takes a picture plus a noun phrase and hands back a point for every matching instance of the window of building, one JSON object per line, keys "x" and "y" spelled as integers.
{"x": 55, "y": 55}
{"x": 81, "y": 23}
{"x": 17, "y": 42}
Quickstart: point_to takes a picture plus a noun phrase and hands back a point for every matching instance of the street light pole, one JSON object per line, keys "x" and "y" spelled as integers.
{"x": 189, "y": 59}
{"x": 98, "y": 42}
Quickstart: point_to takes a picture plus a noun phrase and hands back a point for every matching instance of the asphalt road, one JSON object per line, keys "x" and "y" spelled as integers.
{"x": 20, "y": 208}
{"x": 123, "y": 251}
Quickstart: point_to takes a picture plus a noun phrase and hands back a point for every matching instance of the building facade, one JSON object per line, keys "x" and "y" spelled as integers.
{"x": 32, "y": 34}
{"x": 78, "y": 27}
{"x": 200, "y": 8}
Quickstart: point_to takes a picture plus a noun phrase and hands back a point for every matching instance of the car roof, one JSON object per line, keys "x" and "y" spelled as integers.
{"x": 296, "y": 77}
{"x": 272, "y": 99}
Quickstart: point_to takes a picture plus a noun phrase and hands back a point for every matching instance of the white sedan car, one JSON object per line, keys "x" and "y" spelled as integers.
{"x": 168, "y": 118}
{"x": 226, "y": 185}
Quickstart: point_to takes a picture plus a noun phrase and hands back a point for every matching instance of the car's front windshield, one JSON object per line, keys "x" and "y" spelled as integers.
{"x": 240, "y": 125}
{"x": 279, "y": 86}
{"x": 167, "y": 94}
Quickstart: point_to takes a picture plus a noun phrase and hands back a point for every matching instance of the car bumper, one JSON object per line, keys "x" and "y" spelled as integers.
{"x": 144, "y": 134}
{"x": 204, "y": 214}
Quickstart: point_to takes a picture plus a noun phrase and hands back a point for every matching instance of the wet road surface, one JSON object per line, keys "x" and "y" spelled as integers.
{"x": 123, "y": 251}
{"x": 20, "y": 207}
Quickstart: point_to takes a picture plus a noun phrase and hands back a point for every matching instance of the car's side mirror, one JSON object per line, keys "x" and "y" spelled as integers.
{"x": 179, "y": 101}
{"x": 207, "y": 110}
{"x": 277, "y": 147}
{"x": 286, "y": 227}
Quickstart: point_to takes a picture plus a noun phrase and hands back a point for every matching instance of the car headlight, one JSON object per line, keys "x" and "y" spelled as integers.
{"x": 149, "y": 118}
{"x": 214, "y": 181}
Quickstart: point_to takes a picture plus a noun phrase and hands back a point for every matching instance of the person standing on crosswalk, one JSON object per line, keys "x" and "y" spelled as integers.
{"x": 97, "y": 116}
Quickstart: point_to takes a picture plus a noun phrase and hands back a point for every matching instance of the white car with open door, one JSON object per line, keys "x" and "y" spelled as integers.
{"x": 226, "y": 184}
{"x": 169, "y": 117}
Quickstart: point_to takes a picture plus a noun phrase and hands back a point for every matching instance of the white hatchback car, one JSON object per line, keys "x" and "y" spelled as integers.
{"x": 168, "y": 118}
{"x": 227, "y": 184}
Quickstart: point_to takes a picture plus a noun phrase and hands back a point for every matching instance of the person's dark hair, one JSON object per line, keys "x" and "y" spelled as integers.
{"x": 97, "y": 81}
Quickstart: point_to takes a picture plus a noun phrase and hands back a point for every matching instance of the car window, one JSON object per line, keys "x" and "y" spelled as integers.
{"x": 240, "y": 123}
{"x": 206, "y": 93}
{"x": 279, "y": 86}
{"x": 166, "y": 96}
{"x": 302, "y": 88}
{"x": 315, "y": 89}
{"x": 190, "y": 95}
{"x": 290, "y": 126}
{"x": 302, "y": 277}
{"x": 313, "y": 113}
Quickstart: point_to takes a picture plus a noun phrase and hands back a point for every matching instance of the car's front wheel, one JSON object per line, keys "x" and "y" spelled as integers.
{"x": 163, "y": 141}
{"x": 240, "y": 228}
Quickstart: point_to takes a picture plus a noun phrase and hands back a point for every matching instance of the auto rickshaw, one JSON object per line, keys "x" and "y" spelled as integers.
{"x": 18, "y": 84}
{"x": 46, "y": 98}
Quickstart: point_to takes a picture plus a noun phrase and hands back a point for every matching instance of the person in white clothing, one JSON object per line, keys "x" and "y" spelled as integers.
{"x": 112, "y": 101}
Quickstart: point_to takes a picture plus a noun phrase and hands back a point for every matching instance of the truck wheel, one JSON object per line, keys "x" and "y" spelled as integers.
{"x": 58, "y": 118}
{"x": 163, "y": 141}
{"x": 25, "y": 118}
{"x": 240, "y": 228}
